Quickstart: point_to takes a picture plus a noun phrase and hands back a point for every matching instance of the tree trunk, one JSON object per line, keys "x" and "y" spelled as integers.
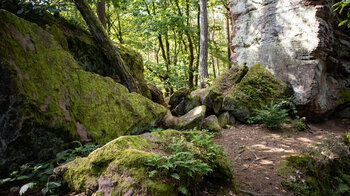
{"x": 101, "y": 12}
{"x": 213, "y": 64}
{"x": 105, "y": 44}
{"x": 218, "y": 67}
{"x": 190, "y": 46}
{"x": 203, "y": 57}
{"x": 228, "y": 38}
{"x": 213, "y": 39}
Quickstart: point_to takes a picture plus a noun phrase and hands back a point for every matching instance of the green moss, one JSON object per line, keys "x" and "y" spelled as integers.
{"x": 344, "y": 96}
{"x": 304, "y": 171}
{"x": 58, "y": 35}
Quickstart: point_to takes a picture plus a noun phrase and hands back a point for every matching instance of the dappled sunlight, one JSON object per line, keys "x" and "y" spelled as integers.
{"x": 266, "y": 162}
{"x": 306, "y": 140}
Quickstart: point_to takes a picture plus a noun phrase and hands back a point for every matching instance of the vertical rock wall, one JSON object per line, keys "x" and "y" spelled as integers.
{"x": 300, "y": 43}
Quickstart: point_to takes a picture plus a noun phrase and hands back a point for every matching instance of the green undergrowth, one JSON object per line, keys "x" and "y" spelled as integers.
{"x": 325, "y": 170}
{"x": 40, "y": 176}
{"x": 276, "y": 113}
{"x": 187, "y": 159}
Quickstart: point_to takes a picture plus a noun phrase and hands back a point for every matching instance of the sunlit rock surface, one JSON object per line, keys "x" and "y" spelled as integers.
{"x": 300, "y": 43}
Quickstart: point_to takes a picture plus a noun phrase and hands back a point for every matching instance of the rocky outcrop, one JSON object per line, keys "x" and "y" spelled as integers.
{"x": 300, "y": 43}
{"x": 47, "y": 99}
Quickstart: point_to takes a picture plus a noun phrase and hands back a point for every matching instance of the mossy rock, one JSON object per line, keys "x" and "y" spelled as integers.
{"x": 177, "y": 97}
{"x": 301, "y": 175}
{"x": 187, "y": 104}
{"x": 257, "y": 88}
{"x": 213, "y": 97}
{"x": 224, "y": 119}
{"x": 344, "y": 96}
{"x": 44, "y": 92}
{"x": 119, "y": 168}
{"x": 193, "y": 119}
{"x": 211, "y": 123}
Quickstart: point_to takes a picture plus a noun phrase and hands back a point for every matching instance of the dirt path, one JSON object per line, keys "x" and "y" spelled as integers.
{"x": 256, "y": 152}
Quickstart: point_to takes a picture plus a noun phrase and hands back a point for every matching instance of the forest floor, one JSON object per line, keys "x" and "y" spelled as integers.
{"x": 256, "y": 153}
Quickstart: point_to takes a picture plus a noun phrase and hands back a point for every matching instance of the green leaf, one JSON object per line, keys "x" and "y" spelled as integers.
{"x": 183, "y": 190}
{"x": 44, "y": 190}
{"x": 343, "y": 22}
{"x": 176, "y": 176}
{"x": 53, "y": 185}
{"x": 23, "y": 177}
{"x": 152, "y": 173}
{"x": 20, "y": 11}
{"x": 2, "y": 181}
{"x": 27, "y": 186}
{"x": 343, "y": 188}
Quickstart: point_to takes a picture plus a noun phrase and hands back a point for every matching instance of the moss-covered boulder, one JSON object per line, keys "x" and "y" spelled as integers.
{"x": 224, "y": 119}
{"x": 211, "y": 123}
{"x": 47, "y": 99}
{"x": 193, "y": 119}
{"x": 177, "y": 97}
{"x": 187, "y": 104}
{"x": 257, "y": 88}
{"x": 120, "y": 168}
{"x": 213, "y": 97}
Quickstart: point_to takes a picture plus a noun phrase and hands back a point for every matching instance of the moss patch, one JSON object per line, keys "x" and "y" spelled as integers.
{"x": 344, "y": 96}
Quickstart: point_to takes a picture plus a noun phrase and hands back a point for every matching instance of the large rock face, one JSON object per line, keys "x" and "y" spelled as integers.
{"x": 47, "y": 99}
{"x": 300, "y": 43}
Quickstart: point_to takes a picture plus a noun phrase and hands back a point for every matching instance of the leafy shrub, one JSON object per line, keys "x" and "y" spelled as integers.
{"x": 270, "y": 115}
{"x": 300, "y": 124}
{"x": 31, "y": 176}
{"x": 188, "y": 158}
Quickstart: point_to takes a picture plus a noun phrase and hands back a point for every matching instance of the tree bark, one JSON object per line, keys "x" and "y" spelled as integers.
{"x": 105, "y": 44}
{"x": 101, "y": 11}
{"x": 228, "y": 37}
{"x": 203, "y": 57}
{"x": 213, "y": 38}
{"x": 213, "y": 64}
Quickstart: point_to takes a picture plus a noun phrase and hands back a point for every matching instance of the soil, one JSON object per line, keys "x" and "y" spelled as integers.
{"x": 256, "y": 153}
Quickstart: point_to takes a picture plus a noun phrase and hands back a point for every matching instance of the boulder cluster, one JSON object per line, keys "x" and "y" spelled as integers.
{"x": 232, "y": 97}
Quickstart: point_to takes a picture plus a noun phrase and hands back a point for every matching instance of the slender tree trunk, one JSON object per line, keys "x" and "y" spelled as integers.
{"x": 190, "y": 47}
{"x": 213, "y": 39}
{"x": 217, "y": 66}
{"x": 203, "y": 57}
{"x": 101, "y": 12}
{"x": 198, "y": 46}
{"x": 213, "y": 65}
{"x": 106, "y": 46}
{"x": 228, "y": 38}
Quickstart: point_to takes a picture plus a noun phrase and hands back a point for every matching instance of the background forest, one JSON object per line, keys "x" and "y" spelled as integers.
{"x": 166, "y": 33}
